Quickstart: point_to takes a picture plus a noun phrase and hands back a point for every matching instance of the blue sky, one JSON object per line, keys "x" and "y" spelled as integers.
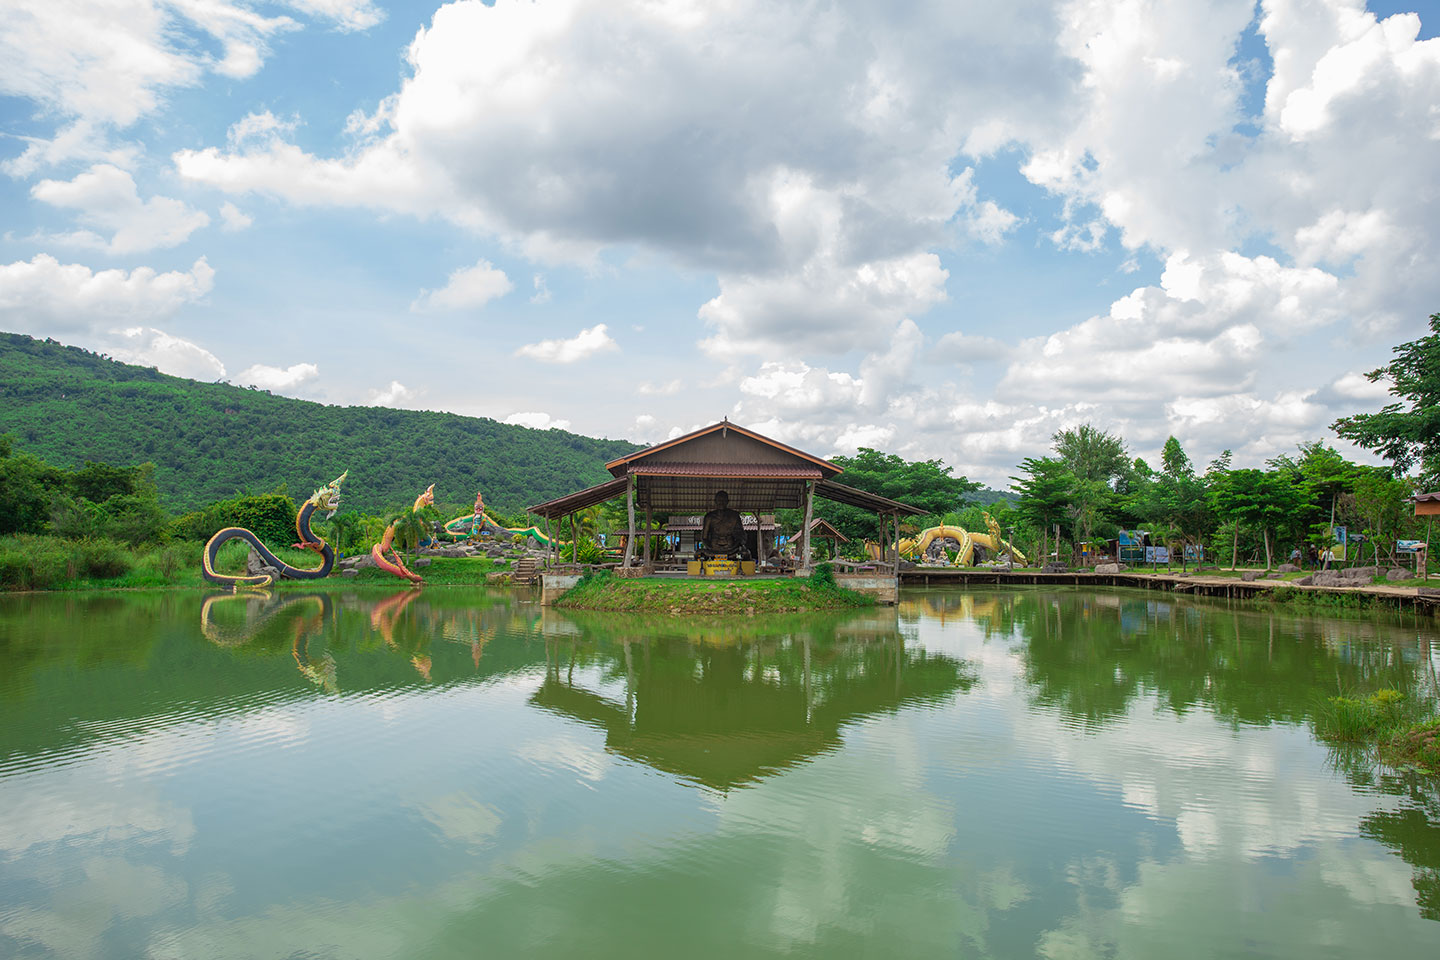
{"x": 944, "y": 229}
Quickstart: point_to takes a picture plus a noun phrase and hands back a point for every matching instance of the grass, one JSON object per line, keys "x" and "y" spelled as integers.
{"x": 1405, "y": 731}
{"x": 30, "y": 562}
{"x": 602, "y": 591}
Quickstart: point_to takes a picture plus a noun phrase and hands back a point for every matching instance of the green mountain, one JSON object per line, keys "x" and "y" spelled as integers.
{"x": 211, "y": 440}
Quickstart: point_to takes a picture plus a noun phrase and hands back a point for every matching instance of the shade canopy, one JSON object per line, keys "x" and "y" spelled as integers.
{"x": 756, "y": 473}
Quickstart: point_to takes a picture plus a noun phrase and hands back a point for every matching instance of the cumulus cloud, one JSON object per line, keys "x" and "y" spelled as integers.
{"x": 828, "y": 174}
{"x": 99, "y": 67}
{"x": 395, "y": 395}
{"x": 586, "y": 343}
{"x": 536, "y": 420}
{"x": 167, "y": 353}
{"x": 233, "y": 219}
{"x": 277, "y": 378}
{"x": 105, "y": 198}
{"x": 470, "y": 287}
{"x": 43, "y": 296}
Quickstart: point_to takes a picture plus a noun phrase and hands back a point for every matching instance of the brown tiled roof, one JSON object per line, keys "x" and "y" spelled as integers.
{"x": 581, "y": 499}
{"x": 746, "y": 471}
{"x": 1426, "y": 497}
{"x": 617, "y": 466}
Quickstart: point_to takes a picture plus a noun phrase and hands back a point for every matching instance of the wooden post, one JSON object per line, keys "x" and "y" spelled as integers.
{"x": 897, "y": 557}
{"x": 574, "y": 541}
{"x": 809, "y": 515}
{"x": 759, "y": 542}
{"x": 647, "y": 534}
{"x": 549, "y": 542}
{"x": 630, "y": 507}
{"x": 1429, "y": 524}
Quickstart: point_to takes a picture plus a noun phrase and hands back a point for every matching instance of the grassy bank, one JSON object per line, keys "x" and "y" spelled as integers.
{"x": 1404, "y": 730}
{"x": 52, "y": 563}
{"x": 711, "y": 597}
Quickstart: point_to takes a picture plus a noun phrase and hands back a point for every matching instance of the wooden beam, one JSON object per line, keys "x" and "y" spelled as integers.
{"x": 647, "y": 534}
{"x": 630, "y": 508}
{"x": 574, "y": 541}
{"x": 809, "y": 515}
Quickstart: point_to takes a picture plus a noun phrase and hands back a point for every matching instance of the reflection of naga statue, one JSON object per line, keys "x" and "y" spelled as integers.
{"x": 327, "y": 497}
{"x": 260, "y": 611}
{"x": 393, "y": 564}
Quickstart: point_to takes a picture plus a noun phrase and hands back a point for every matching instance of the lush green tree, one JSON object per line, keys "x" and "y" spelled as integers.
{"x": 1407, "y": 433}
{"x": 1381, "y": 500}
{"x": 1096, "y": 460}
{"x": 1262, "y": 499}
{"x": 1178, "y": 498}
{"x": 926, "y": 484}
{"x": 1044, "y": 496}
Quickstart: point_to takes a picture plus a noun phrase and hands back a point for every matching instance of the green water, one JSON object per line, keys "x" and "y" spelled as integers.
{"x": 1018, "y": 773}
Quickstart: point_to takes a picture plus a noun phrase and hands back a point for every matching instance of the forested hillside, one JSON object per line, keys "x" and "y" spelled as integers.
{"x": 210, "y": 440}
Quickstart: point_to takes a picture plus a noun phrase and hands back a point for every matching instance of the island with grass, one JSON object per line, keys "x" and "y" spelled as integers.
{"x": 677, "y": 596}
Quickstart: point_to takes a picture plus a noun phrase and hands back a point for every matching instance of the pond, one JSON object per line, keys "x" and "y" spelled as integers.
{"x": 459, "y": 772}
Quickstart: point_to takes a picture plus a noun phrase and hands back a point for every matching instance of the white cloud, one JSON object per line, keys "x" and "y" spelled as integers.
{"x": 105, "y": 197}
{"x": 233, "y": 219}
{"x": 394, "y": 395}
{"x": 98, "y": 66}
{"x": 586, "y": 343}
{"x": 43, "y": 296}
{"x": 347, "y": 15}
{"x": 167, "y": 353}
{"x": 467, "y": 288}
{"x": 536, "y": 420}
{"x": 542, "y": 292}
{"x": 277, "y": 378}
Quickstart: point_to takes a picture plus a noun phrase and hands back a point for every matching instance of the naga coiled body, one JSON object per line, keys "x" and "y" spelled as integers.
{"x": 327, "y": 498}
{"x": 385, "y": 555}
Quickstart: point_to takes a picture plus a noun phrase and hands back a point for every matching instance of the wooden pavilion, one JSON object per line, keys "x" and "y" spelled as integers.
{"x": 760, "y": 475}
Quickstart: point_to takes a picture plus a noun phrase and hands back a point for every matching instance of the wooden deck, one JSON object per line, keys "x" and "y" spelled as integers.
{"x": 1422, "y": 598}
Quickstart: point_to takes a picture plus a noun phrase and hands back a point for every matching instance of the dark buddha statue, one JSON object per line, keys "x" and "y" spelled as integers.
{"x": 722, "y": 533}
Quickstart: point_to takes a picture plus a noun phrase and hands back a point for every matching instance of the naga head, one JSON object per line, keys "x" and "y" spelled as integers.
{"x": 426, "y": 499}
{"x": 328, "y": 496}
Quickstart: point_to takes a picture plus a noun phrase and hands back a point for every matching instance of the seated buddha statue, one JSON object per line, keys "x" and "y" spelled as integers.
{"x": 722, "y": 533}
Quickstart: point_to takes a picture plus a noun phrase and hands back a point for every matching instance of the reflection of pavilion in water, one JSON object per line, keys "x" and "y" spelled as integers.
{"x": 723, "y": 711}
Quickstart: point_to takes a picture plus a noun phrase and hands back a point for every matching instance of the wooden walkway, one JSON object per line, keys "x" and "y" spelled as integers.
{"x": 1422, "y": 599}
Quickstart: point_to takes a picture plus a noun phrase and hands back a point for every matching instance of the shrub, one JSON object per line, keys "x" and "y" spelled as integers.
{"x": 823, "y": 575}
{"x": 270, "y": 516}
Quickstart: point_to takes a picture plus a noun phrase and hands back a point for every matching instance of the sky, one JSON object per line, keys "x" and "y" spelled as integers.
{"x": 944, "y": 230}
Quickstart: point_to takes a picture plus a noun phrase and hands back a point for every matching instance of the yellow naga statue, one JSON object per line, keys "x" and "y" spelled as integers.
{"x": 934, "y": 545}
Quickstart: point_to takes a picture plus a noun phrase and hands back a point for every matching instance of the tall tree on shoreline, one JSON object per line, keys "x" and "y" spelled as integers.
{"x": 1095, "y": 459}
{"x": 1406, "y": 437}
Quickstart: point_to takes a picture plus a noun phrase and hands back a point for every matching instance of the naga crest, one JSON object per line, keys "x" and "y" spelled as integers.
{"x": 328, "y": 496}
{"x": 425, "y": 499}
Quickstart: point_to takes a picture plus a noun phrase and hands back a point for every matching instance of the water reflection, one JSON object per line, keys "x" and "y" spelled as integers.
{"x": 726, "y": 707}
{"x": 1091, "y": 656}
{"x": 996, "y": 774}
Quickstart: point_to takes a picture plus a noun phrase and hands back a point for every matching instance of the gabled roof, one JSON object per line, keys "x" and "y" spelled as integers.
{"x": 632, "y": 462}
{"x": 820, "y": 527}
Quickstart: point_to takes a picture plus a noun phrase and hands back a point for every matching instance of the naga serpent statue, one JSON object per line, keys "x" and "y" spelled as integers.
{"x": 327, "y": 497}
{"x": 394, "y": 564}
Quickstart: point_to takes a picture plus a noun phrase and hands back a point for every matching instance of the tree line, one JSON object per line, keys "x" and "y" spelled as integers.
{"x": 1088, "y": 488}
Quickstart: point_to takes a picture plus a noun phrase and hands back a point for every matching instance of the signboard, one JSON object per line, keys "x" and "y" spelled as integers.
{"x": 1157, "y": 554}
{"x": 1194, "y": 551}
{"x": 1340, "y": 535}
{"x": 1409, "y": 546}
